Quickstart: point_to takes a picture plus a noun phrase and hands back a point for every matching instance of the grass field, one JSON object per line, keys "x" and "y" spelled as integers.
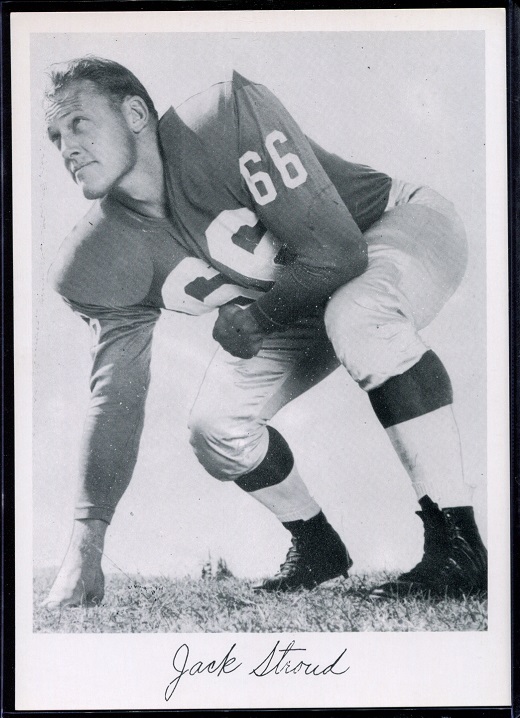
{"x": 212, "y": 605}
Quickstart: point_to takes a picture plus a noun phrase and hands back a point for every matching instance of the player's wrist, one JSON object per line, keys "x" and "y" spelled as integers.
{"x": 265, "y": 323}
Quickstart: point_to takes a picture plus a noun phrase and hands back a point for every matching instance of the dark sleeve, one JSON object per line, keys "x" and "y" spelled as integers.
{"x": 295, "y": 200}
{"x": 120, "y": 376}
{"x": 362, "y": 189}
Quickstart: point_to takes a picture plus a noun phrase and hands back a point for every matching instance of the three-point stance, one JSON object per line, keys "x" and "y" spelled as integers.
{"x": 313, "y": 262}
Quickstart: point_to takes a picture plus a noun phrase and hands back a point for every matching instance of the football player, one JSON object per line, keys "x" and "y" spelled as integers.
{"x": 225, "y": 203}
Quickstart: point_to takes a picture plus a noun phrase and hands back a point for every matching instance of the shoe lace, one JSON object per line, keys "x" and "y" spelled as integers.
{"x": 292, "y": 560}
{"x": 435, "y": 554}
{"x": 444, "y": 551}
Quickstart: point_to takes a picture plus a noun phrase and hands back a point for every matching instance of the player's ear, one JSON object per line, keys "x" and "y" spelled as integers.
{"x": 136, "y": 113}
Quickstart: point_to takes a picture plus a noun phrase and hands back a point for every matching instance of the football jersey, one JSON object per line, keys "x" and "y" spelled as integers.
{"x": 256, "y": 211}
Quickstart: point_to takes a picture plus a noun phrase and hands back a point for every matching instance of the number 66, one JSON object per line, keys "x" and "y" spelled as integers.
{"x": 282, "y": 163}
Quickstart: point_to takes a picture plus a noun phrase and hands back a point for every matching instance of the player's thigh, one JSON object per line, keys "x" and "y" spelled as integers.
{"x": 428, "y": 248}
{"x": 239, "y": 392}
{"x": 416, "y": 260}
{"x": 370, "y": 325}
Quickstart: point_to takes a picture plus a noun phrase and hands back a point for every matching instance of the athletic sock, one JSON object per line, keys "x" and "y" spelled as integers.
{"x": 429, "y": 449}
{"x": 415, "y": 408}
{"x": 289, "y": 500}
{"x": 276, "y": 483}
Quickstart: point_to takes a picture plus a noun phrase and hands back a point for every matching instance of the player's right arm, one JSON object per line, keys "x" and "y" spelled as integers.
{"x": 103, "y": 272}
{"x": 119, "y": 381}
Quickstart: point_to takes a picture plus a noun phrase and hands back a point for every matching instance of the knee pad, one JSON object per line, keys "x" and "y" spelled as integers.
{"x": 422, "y": 389}
{"x": 275, "y": 467}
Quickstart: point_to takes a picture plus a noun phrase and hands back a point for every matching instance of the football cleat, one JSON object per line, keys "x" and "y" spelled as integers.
{"x": 317, "y": 554}
{"x": 454, "y": 561}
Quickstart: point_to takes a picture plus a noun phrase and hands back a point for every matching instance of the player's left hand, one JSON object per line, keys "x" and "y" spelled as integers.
{"x": 238, "y": 332}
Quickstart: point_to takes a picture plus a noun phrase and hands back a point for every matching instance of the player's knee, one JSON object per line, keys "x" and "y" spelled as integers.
{"x": 219, "y": 444}
{"x": 344, "y": 311}
{"x": 372, "y": 340}
{"x": 207, "y": 436}
{"x": 353, "y": 330}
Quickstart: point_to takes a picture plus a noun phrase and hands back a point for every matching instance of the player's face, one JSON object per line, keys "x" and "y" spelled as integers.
{"x": 93, "y": 136}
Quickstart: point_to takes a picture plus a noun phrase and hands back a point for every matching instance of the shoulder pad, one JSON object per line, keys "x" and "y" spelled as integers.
{"x": 206, "y": 108}
{"x": 203, "y": 127}
{"x": 240, "y": 81}
{"x": 104, "y": 261}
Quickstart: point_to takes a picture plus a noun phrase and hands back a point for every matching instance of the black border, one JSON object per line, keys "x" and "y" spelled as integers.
{"x": 513, "y": 81}
{"x": 7, "y": 646}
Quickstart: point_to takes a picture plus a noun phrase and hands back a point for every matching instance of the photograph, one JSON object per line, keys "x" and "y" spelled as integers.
{"x": 261, "y": 359}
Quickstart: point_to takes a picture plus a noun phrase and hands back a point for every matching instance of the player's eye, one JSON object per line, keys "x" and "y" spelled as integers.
{"x": 55, "y": 138}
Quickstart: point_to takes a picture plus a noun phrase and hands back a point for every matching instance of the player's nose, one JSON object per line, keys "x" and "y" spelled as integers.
{"x": 69, "y": 148}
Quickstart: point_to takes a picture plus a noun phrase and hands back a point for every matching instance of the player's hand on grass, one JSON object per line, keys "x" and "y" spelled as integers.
{"x": 238, "y": 332}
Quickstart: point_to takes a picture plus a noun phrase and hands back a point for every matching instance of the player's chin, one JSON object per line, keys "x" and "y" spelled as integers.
{"x": 92, "y": 192}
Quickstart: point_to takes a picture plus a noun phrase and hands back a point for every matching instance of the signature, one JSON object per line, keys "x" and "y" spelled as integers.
{"x": 180, "y": 666}
{"x": 278, "y": 661}
{"x": 273, "y": 664}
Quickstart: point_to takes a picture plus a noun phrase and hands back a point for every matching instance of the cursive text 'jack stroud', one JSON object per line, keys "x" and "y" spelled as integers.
{"x": 289, "y": 660}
